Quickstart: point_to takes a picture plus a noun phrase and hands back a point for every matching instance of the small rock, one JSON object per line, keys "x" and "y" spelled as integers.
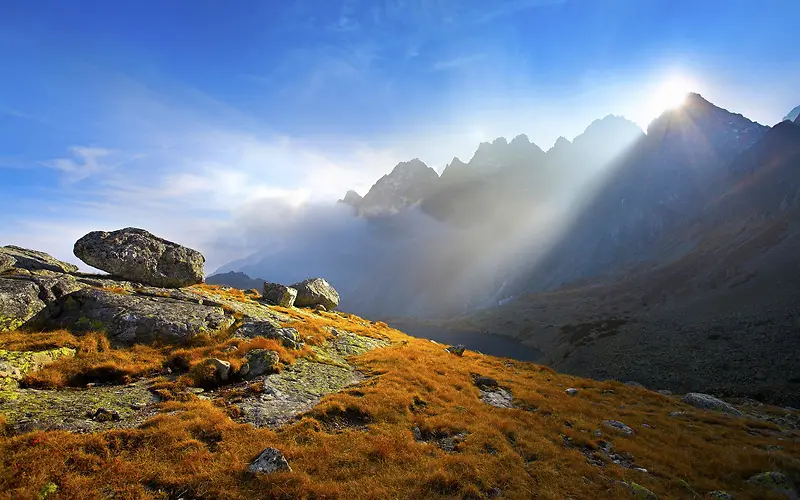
{"x": 616, "y": 424}
{"x": 647, "y": 426}
{"x": 261, "y": 361}
{"x": 676, "y": 413}
{"x": 319, "y": 307}
{"x": 720, "y": 495}
{"x": 270, "y": 460}
{"x": 103, "y": 415}
{"x": 642, "y": 493}
{"x": 632, "y": 383}
{"x": 708, "y": 402}
{"x": 458, "y": 350}
{"x": 776, "y": 482}
{"x": 417, "y": 433}
{"x": 212, "y": 371}
{"x": 279, "y": 295}
{"x": 494, "y": 492}
{"x": 572, "y": 391}
{"x": 498, "y": 397}
{"x": 665, "y": 392}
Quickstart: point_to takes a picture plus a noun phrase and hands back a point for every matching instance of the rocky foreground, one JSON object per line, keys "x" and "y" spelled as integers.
{"x": 146, "y": 383}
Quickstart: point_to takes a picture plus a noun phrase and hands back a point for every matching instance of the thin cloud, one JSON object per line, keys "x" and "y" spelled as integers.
{"x": 86, "y": 162}
{"x": 514, "y": 7}
{"x": 458, "y": 62}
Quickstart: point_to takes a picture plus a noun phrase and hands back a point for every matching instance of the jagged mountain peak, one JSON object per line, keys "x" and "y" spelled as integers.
{"x": 352, "y": 198}
{"x": 521, "y": 139}
{"x": 561, "y": 143}
{"x": 793, "y": 115}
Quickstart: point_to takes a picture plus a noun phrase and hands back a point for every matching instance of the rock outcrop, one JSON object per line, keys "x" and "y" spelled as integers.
{"x": 31, "y": 260}
{"x": 279, "y": 295}
{"x": 138, "y": 255}
{"x": 133, "y": 318}
{"x": 316, "y": 291}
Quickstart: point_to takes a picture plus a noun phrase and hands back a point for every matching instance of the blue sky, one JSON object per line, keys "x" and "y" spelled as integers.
{"x": 183, "y": 116}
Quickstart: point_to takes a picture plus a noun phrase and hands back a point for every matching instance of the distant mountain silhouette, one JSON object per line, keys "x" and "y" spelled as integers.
{"x": 236, "y": 280}
{"x": 408, "y": 183}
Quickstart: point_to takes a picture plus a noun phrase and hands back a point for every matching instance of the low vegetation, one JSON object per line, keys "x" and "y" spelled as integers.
{"x": 381, "y": 439}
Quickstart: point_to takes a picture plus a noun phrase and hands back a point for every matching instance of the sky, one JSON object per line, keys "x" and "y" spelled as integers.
{"x": 184, "y": 117}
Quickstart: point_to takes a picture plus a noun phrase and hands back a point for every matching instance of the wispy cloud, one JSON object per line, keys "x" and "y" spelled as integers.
{"x": 85, "y": 162}
{"x": 457, "y": 62}
{"x": 513, "y": 7}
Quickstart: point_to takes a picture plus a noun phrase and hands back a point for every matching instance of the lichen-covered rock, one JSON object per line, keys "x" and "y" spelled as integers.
{"x": 14, "y": 365}
{"x": 708, "y": 402}
{"x": 641, "y": 493}
{"x": 130, "y": 318}
{"x": 6, "y": 262}
{"x": 269, "y": 329}
{"x": 31, "y": 260}
{"x": 261, "y": 361}
{"x": 19, "y": 301}
{"x": 26, "y": 410}
{"x": 316, "y": 291}
{"x": 24, "y": 296}
{"x": 138, "y": 255}
{"x": 301, "y": 385}
{"x": 270, "y": 460}
{"x": 279, "y": 295}
{"x": 497, "y": 397}
{"x": 776, "y": 482}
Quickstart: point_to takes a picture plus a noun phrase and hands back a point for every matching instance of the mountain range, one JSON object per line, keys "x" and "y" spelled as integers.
{"x": 697, "y": 217}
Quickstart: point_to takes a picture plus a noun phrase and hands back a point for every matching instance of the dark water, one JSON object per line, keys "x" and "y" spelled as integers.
{"x": 494, "y": 345}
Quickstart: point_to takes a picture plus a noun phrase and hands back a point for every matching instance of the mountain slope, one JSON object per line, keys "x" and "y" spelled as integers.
{"x": 715, "y": 311}
{"x": 418, "y": 423}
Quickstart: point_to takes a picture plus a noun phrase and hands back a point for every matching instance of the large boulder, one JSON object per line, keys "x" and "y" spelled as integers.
{"x": 131, "y": 318}
{"x": 138, "y": 255}
{"x": 316, "y": 291}
{"x": 30, "y": 260}
{"x": 279, "y": 295}
{"x": 19, "y": 302}
{"x": 23, "y": 296}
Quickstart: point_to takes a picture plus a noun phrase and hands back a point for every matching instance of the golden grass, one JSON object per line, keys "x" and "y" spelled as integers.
{"x": 97, "y": 362}
{"x": 193, "y": 450}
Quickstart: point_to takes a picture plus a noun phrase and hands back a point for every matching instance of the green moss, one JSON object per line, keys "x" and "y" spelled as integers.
{"x": 90, "y": 324}
{"x": 47, "y": 490}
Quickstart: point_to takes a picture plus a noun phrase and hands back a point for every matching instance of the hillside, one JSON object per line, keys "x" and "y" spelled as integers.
{"x": 118, "y": 388}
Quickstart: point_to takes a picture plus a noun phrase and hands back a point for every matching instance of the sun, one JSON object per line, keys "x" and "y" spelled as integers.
{"x": 670, "y": 94}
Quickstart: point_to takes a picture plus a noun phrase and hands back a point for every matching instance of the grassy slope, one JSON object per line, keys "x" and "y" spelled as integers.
{"x": 193, "y": 449}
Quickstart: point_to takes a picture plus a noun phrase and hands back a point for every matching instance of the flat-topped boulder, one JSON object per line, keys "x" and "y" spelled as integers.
{"x": 14, "y": 257}
{"x": 137, "y": 255}
{"x": 316, "y": 291}
{"x": 131, "y": 318}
